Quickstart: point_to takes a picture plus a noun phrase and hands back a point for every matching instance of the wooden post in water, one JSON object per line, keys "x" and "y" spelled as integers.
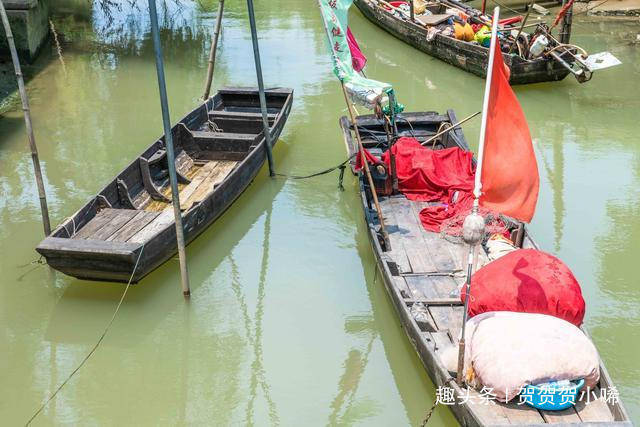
{"x": 212, "y": 51}
{"x": 565, "y": 31}
{"x": 168, "y": 142}
{"x": 263, "y": 99}
{"x": 27, "y": 120}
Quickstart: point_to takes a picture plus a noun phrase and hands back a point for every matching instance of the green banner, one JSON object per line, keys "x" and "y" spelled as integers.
{"x": 361, "y": 90}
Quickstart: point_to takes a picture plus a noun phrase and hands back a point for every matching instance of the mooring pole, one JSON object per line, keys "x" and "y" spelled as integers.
{"x": 263, "y": 100}
{"x": 168, "y": 140}
{"x": 212, "y": 51}
{"x": 27, "y": 120}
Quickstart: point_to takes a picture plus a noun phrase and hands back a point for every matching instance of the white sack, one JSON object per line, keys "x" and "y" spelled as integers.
{"x": 506, "y": 351}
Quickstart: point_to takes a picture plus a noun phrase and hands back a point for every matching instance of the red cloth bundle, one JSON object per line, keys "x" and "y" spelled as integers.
{"x": 527, "y": 281}
{"x": 429, "y": 175}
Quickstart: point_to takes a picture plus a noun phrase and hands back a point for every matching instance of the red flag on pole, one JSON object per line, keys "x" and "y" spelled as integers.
{"x": 357, "y": 57}
{"x": 510, "y": 180}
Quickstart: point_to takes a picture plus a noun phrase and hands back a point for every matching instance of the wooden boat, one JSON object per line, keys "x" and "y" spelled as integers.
{"x": 219, "y": 146}
{"x": 423, "y": 267}
{"x": 467, "y": 56}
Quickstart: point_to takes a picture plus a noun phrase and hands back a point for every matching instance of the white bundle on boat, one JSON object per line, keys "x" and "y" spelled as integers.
{"x": 506, "y": 351}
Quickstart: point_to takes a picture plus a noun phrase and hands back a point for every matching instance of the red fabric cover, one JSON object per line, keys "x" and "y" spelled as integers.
{"x": 509, "y": 176}
{"x": 358, "y": 60}
{"x": 527, "y": 281}
{"x": 434, "y": 175}
{"x": 371, "y": 159}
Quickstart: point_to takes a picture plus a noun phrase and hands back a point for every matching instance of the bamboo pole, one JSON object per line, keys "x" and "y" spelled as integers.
{"x": 367, "y": 171}
{"x": 212, "y": 51}
{"x": 524, "y": 21}
{"x": 168, "y": 139}
{"x": 263, "y": 100}
{"x": 27, "y": 120}
{"x": 453, "y": 126}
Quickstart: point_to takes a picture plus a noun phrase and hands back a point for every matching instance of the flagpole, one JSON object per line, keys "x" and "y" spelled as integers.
{"x": 473, "y": 227}
{"x": 477, "y": 191}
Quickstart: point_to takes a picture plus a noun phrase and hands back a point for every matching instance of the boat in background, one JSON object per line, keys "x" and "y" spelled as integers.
{"x": 219, "y": 146}
{"x": 552, "y": 59}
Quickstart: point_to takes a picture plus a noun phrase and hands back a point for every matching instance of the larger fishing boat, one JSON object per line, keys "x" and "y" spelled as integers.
{"x": 426, "y": 269}
{"x": 431, "y": 30}
{"x": 220, "y": 147}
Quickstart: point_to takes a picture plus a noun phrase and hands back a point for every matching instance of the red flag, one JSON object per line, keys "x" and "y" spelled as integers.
{"x": 358, "y": 60}
{"x": 510, "y": 180}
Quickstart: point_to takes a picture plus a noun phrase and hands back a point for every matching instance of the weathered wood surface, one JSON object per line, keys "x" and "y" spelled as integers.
{"x": 214, "y": 169}
{"x": 425, "y": 268}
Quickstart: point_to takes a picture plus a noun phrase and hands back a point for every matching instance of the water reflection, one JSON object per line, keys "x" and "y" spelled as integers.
{"x": 287, "y": 322}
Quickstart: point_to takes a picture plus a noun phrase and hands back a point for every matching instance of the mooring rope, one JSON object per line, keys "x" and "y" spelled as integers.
{"x": 95, "y": 347}
{"x": 426, "y": 418}
{"x": 341, "y": 166}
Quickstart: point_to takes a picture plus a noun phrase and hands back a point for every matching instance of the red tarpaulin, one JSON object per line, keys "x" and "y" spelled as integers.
{"x": 509, "y": 176}
{"x": 527, "y": 281}
{"x": 445, "y": 176}
{"x": 371, "y": 159}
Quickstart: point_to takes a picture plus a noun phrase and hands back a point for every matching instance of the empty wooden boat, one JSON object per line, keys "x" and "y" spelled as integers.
{"x": 424, "y": 267}
{"x": 468, "y": 56}
{"x": 219, "y": 146}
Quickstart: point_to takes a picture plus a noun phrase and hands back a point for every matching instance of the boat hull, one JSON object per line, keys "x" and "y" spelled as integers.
{"x": 101, "y": 260}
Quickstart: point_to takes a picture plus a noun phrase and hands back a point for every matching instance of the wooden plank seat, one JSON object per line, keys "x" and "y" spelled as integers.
{"x": 223, "y": 141}
{"x": 241, "y": 114}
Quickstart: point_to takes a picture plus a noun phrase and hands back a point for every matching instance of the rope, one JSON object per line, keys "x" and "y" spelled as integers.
{"x": 426, "y": 418}
{"x": 95, "y": 347}
{"x": 322, "y": 172}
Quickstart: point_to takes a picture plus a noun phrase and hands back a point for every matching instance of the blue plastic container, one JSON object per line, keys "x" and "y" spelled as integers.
{"x": 552, "y": 396}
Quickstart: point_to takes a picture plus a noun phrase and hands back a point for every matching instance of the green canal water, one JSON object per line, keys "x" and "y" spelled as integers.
{"x": 287, "y": 323}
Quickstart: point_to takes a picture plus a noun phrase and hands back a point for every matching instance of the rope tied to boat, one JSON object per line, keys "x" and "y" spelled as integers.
{"x": 428, "y": 416}
{"x": 95, "y": 347}
{"x": 342, "y": 166}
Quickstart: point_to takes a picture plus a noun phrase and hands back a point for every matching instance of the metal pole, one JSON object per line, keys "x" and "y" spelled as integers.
{"x": 168, "y": 139}
{"x": 263, "y": 100}
{"x": 412, "y": 11}
{"x": 27, "y": 120}
{"x": 212, "y": 51}
{"x": 485, "y": 103}
{"x": 477, "y": 192}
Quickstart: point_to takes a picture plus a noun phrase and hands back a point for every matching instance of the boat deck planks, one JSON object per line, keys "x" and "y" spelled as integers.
{"x": 136, "y": 223}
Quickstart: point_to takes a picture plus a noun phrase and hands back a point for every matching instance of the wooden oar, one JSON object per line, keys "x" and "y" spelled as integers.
{"x": 367, "y": 171}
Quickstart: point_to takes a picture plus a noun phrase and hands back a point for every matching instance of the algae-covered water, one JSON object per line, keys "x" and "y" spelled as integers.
{"x": 286, "y": 324}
